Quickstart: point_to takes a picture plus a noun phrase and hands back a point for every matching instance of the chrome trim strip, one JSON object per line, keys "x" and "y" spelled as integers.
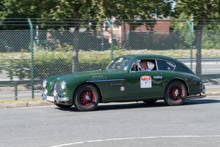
{"x": 116, "y": 84}
{"x": 106, "y": 80}
{"x": 143, "y": 71}
{"x": 138, "y": 65}
{"x": 131, "y": 67}
{"x": 166, "y": 70}
{"x": 156, "y": 65}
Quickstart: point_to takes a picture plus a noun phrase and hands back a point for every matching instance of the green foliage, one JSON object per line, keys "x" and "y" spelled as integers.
{"x": 10, "y": 69}
{"x": 14, "y": 67}
{"x": 210, "y": 35}
{"x": 217, "y": 45}
{"x": 21, "y": 68}
{"x": 95, "y": 10}
{"x": 201, "y": 9}
{"x": 65, "y": 47}
{"x": 4, "y": 8}
{"x": 51, "y": 66}
{"x": 92, "y": 66}
{"x": 208, "y": 44}
{"x": 211, "y": 39}
{"x": 47, "y": 63}
{"x": 115, "y": 47}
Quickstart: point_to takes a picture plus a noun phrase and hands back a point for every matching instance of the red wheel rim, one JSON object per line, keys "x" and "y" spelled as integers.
{"x": 87, "y": 97}
{"x": 176, "y": 93}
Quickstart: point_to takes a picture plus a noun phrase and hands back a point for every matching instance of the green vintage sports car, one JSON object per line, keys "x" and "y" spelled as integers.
{"x": 145, "y": 78}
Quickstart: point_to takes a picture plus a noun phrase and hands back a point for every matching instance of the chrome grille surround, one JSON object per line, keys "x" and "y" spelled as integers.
{"x": 56, "y": 87}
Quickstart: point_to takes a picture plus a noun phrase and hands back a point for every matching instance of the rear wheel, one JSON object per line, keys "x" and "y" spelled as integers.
{"x": 175, "y": 93}
{"x": 86, "y": 97}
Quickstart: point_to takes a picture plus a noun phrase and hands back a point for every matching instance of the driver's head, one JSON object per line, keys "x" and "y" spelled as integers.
{"x": 143, "y": 64}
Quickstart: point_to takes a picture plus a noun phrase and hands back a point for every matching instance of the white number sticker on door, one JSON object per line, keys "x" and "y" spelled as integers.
{"x": 146, "y": 82}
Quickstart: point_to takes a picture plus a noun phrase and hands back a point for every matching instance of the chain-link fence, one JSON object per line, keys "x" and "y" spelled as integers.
{"x": 58, "y": 52}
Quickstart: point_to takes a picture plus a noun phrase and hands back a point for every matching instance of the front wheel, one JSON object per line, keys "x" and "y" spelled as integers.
{"x": 86, "y": 97}
{"x": 175, "y": 93}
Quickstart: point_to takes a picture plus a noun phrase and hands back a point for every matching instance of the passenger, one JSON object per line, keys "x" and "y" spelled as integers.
{"x": 143, "y": 65}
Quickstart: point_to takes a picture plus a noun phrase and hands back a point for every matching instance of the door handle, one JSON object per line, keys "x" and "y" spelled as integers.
{"x": 158, "y": 77}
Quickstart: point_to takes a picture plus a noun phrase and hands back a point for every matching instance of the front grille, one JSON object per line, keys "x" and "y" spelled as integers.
{"x": 56, "y": 86}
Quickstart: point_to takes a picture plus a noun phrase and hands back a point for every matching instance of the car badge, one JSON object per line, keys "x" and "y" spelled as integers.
{"x": 122, "y": 88}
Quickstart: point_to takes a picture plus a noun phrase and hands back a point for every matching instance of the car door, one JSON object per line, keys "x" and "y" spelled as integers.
{"x": 141, "y": 85}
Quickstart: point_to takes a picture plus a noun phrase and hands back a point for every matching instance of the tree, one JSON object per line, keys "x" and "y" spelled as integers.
{"x": 94, "y": 10}
{"x": 202, "y": 10}
{"x": 4, "y": 8}
{"x": 9, "y": 10}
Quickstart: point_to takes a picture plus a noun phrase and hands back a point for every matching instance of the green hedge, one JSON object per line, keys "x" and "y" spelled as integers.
{"x": 45, "y": 65}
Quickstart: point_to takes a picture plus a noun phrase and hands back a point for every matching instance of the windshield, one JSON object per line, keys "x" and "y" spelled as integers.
{"x": 120, "y": 63}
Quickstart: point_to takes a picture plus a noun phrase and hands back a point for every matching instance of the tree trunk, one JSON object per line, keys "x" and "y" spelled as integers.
{"x": 75, "y": 60}
{"x": 199, "y": 48}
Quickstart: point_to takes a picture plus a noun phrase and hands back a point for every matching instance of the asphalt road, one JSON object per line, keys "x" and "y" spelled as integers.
{"x": 196, "y": 123}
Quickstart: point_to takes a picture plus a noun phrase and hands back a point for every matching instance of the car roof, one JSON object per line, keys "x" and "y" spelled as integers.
{"x": 150, "y": 56}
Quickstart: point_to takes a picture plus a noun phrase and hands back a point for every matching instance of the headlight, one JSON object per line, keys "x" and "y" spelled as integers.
{"x": 45, "y": 83}
{"x": 45, "y": 92}
{"x": 63, "y": 85}
{"x": 54, "y": 92}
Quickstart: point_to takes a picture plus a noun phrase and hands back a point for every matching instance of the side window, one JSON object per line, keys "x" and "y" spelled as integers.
{"x": 144, "y": 65}
{"x": 165, "y": 65}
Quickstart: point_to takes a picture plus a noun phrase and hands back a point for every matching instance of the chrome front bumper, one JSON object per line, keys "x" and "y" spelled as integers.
{"x": 64, "y": 99}
{"x": 57, "y": 99}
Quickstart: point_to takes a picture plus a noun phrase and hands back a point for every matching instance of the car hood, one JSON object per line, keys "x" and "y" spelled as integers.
{"x": 88, "y": 74}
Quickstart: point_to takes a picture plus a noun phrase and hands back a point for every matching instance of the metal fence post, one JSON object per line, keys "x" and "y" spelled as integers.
{"x": 111, "y": 39}
{"x": 190, "y": 43}
{"x": 32, "y": 57}
{"x": 16, "y": 90}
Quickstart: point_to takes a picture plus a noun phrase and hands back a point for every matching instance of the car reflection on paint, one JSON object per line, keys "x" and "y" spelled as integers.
{"x": 123, "y": 80}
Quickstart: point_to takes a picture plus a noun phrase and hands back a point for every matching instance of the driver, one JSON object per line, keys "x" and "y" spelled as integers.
{"x": 143, "y": 65}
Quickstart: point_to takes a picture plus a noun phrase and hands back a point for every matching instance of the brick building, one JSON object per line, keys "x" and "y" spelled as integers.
{"x": 121, "y": 33}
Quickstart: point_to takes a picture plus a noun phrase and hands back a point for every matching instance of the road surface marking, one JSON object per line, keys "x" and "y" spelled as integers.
{"x": 133, "y": 138}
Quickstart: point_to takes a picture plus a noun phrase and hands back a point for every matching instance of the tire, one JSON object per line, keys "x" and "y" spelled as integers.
{"x": 63, "y": 106}
{"x": 86, "y": 97}
{"x": 175, "y": 93}
{"x": 150, "y": 101}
